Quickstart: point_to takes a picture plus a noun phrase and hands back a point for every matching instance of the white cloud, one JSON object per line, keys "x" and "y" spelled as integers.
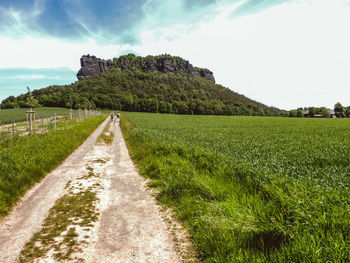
{"x": 290, "y": 55}
{"x": 294, "y": 54}
{"x": 33, "y": 76}
{"x": 51, "y": 53}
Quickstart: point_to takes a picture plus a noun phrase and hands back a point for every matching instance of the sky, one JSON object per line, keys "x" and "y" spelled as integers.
{"x": 283, "y": 53}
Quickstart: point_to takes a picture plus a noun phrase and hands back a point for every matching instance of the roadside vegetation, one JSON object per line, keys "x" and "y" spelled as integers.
{"x": 250, "y": 189}
{"x": 19, "y": 114}
{"x": 26, "y": 160}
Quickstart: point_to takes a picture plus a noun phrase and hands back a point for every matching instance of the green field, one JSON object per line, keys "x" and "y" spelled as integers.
{"x": 250, "y": 189}
{"x": 19, "y": 114}
{"x": 27, "y": 159}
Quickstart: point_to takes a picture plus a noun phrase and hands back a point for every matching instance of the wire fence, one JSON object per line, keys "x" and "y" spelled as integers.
{"x": 34, "y": 123}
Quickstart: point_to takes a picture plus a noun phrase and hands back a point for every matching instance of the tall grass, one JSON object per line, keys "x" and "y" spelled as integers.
{"x": 250, "y": 189}
{"x": 26, "y": 160}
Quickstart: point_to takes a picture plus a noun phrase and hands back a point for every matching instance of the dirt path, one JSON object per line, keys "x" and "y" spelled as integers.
{"x": 128, "y": 226}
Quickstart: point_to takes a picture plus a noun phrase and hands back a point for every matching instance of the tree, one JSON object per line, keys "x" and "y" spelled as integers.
{"x": 325, "y": 112}
{"x": 300, "y": 112}
{"x": 347, "y": 112}
{"x": 69, "y": 103}
{"x": 85, "y": 103}
{"x": 293, "y": 113}
{"x": 127, "y": 101}
{"x": 339, "y": 110}
{"x": 31, "y": 101}
{"x": 9, "y": 105}
{"x": 312, "y": 111}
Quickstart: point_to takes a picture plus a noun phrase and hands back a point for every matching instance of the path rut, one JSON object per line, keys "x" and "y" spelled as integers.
{"x": 130, "y": 227}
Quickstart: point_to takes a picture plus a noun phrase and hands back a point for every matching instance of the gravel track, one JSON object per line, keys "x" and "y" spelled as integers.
{"x": 130, "y": 227}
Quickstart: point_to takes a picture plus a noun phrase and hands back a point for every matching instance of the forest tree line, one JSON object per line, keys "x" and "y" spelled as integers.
{"x": 338, "y": 111}
{"x": 146, "y": 92}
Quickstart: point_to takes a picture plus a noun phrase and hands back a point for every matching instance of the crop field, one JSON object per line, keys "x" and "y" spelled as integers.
{"x": 7, "y": 115}
{"x": 250, "y": 189}
{"x": 27, "y": 159}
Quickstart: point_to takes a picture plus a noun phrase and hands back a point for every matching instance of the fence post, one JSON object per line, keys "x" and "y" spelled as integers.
{"x": 42, "y": 124}
{"x": 30, "y": 123}
{"x": 13, "y": 129}
{"x": 31, "y": 114}
{"x": 55, "y": 121}
{"x": 34, "y": 116}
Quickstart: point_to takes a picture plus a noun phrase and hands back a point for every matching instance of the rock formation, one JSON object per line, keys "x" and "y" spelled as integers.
{"x": 91, "y": 65}
{"x": 207, "y": 74}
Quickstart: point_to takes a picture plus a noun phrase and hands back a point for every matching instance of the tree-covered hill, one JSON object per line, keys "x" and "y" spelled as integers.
{"x": 152, "y": 91}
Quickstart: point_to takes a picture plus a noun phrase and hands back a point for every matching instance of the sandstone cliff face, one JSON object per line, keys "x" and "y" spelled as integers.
{"x": 91, "y": 65}
{"x": 207, "y": 74}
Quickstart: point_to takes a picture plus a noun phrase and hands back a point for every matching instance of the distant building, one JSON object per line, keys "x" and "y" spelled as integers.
{"x": 306, "y": 113}
{"x": 333, "y": 114}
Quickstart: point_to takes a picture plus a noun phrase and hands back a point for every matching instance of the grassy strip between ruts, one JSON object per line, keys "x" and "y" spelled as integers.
{"x": 58, "y": 237}
{"x": 234, "y": 217}
{"x": 28, "y": 159}
{"x": 106, "y": 136}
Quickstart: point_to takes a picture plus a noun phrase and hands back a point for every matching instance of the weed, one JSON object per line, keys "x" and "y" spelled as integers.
{"x": 102, "y": 161}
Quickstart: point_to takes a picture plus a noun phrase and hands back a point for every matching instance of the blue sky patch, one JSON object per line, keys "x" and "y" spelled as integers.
{"x": 15, "y": 81}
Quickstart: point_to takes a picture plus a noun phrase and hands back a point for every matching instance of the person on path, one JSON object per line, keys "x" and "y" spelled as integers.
{"x": 112, "y": 116}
